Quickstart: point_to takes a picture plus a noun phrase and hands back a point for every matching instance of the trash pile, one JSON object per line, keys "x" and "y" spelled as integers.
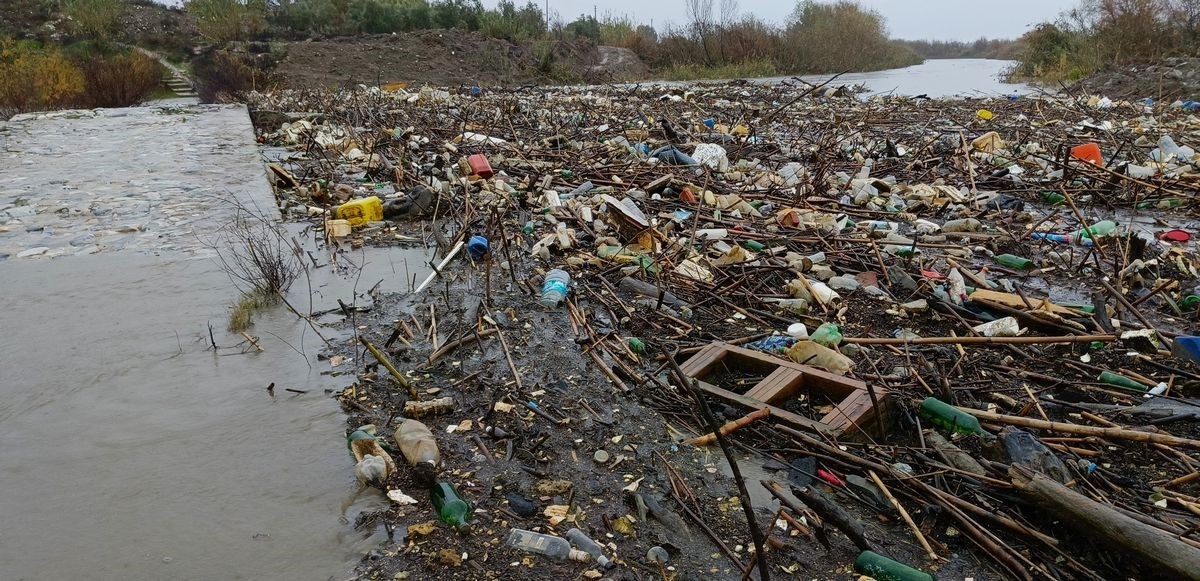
{"x": 910, "y": 337}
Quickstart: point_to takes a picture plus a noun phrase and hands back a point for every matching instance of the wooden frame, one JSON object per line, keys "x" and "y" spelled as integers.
{"x": 853, "y": 413}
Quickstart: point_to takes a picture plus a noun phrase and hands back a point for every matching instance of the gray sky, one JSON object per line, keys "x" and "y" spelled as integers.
{"x": 910, "y": 19}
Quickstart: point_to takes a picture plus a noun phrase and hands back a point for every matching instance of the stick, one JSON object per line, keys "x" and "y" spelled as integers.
{"x": 1064, "y": 428}
{"x": 730, "y": 427}
{"x": 747, "y": 506}
{"x": 438, "y": 270}
{"x": 383, "y": 360}
{"x": 979, "y": 340}
{"x": 252, "y": 341}
{"x": 829, "y": 511}
{"x": 903, "y": 514}
{"x": 452, "y": 345}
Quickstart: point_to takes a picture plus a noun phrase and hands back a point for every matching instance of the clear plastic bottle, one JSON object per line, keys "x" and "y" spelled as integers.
{"x": 550, "y": 546}
{"x": 555, "y": 289}
{"x": 416, "y": 443}
{"x": 587, "y": 545}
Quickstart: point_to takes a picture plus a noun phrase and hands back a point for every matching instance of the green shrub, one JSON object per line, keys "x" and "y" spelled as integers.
{"x": 93, "y": 18}
{"x": 223, "y": 21}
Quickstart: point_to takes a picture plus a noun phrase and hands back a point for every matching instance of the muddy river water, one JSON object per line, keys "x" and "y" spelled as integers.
{"x": 131, "y": 449}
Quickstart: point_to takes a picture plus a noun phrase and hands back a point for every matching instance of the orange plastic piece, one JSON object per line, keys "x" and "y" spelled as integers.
{"x": 1089, "y": 152}
{"x": 687, "y": 196}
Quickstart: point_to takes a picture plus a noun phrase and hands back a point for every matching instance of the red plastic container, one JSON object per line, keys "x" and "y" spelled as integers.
{"x": 1089, "y": 152}
{"x": 480, "y": 166}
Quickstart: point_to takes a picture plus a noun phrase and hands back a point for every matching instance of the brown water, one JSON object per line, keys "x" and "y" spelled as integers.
{"x": 132, "y": 451}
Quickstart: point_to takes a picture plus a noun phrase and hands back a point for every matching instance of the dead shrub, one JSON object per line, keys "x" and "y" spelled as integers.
{"x": 223, "y": 76}
{"x": 120, "y": 80}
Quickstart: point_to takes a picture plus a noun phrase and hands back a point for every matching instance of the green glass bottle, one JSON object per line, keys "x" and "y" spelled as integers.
{"x": 1120, "y": 381}
{"x": 452, "y": 509}
{"x": 754, "y": 245}
{"x": 884, "y": 569}
{"x": 1014, "y": 261}
{"x": 1053, "y": 198}
{"x": 948, "y": 417}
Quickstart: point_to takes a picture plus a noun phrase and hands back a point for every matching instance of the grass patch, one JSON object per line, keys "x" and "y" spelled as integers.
{"x": 241, "y": 313}
{"x": 743, "y": 70}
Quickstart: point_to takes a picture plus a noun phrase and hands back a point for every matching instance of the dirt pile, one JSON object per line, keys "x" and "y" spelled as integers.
{"x": 447, "y": 57}
{"x": 1171, "y": 79}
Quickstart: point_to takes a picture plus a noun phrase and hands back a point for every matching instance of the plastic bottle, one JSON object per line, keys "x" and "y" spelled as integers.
{"x": 550, "y": 546}
{"x": 810, "y": 353}
{"x": 946, "y": 416}
{"x": 828, "y": 335}
{"x": 1101, "y": 229}
{"x": 884, "y": 569}
{"x": 963, "y": 225}
{"x": 794, "y": 306}
{"x": 554, "y": 289}
{"x": 1014, "y": 261}
{"x": 452, "y": 509}
{"x": 587, "y": 545}
{"x": 477, "y": 247}
{"x": 418, "y": 447}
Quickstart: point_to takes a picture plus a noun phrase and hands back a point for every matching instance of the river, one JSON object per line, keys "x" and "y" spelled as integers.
{"x": 933, "y": 78}
{"x": 132, "y": 449}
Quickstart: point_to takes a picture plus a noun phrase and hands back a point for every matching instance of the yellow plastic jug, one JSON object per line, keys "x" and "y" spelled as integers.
{"x": 359, "y": 212}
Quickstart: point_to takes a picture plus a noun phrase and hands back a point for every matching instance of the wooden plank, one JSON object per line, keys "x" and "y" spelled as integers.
{"x": 780, "y": 414}
{"x": 781, "y": 384}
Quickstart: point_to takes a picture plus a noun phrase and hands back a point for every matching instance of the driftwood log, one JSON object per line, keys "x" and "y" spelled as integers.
{"x": 1152, "y": 545}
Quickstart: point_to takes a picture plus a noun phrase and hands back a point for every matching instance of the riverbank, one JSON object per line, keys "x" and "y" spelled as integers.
{"x": 895, "y": 230}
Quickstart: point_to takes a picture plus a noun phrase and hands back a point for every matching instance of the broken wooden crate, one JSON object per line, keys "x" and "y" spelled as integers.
{"x": 853, "y": 412}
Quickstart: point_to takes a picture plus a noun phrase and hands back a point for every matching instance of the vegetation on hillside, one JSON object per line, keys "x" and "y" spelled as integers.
{"x": 1100, "y": 33}
{"x": 819, "y": 36}
{"x": 38, "y": 77}
{"x": 983, "y": 48}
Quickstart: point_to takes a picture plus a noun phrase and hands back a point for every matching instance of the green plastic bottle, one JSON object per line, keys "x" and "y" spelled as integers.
{"x": 1014, "y": 261}
{"x": 1101, "y": 229}
{"x": 884, "y": 569}
{"x": 452, "y": 509}
{"x": 1190, "y": 302}
{"x": 948, "y": 417}
{"x": 828, "y": 335}
{"x": 1163, "y": 204}
{"x": 1053, "y": 198}
{"x": 1120, "y": 381}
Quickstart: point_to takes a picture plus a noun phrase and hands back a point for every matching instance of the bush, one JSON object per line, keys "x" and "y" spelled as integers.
{"x": 224, "y": 21}
{"x": 93, "y": 18}
{"x": 120, "y": 80}
{"x": 34, "y": 78}
{"x": 224, "y": 76}
{"x": 842, "y": 36}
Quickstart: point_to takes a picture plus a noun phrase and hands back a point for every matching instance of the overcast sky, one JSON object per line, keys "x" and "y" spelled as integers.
{"x": 909, "y": 19}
